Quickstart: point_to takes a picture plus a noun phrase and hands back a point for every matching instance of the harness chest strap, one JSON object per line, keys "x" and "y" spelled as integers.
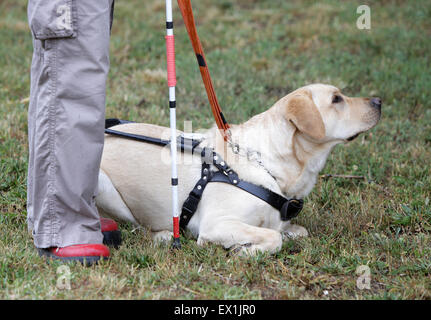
{"x": 288, "y": 208}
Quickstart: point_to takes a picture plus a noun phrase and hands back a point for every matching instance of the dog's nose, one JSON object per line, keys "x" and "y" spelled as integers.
{"x": 376, "y": 103}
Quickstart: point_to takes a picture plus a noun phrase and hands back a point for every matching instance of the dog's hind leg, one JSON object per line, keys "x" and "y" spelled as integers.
{"x": 109, "y": 201}
{"x": 244, "y": 238}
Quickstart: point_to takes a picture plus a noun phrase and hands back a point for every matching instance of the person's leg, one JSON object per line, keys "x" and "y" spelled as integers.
{"x": 66, "y": 119}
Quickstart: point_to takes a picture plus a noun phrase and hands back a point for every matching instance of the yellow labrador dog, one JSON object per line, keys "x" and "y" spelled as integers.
{"x": 293, "y": 139}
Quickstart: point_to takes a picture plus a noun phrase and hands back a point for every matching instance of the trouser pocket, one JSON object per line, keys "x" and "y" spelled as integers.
{"x": 50, "y": 19}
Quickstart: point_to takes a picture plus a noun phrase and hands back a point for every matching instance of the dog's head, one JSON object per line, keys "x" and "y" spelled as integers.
{"x": 322, "y": 113}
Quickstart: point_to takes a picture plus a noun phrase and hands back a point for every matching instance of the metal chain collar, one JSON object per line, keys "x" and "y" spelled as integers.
{"x": 250, "y": 154}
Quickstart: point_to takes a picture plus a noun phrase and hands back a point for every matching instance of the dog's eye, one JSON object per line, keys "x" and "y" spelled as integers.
{"x": 337, "y": 99}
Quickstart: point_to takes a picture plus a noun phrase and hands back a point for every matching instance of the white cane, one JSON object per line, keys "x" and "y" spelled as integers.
{"x": 172, "y": 81}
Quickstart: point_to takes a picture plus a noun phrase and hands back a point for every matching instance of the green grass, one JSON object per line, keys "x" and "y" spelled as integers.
{"x": 257, "y": 51}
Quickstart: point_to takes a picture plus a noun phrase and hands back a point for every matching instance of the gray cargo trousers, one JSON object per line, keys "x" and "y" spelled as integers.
{"x": 66, "y": 116}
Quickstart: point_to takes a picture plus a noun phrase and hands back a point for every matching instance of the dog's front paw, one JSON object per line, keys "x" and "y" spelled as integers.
{"x": 294, "y": 231}
{"x": 162, "y": 237}
{"x": 239, "y": 249}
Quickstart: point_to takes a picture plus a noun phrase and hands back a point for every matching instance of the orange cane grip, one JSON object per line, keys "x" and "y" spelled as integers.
{"x": 170, "y": 59}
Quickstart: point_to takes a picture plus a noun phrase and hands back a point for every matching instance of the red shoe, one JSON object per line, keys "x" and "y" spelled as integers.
{"x": 111, "y": 234}
{"x": 87, "y": 254}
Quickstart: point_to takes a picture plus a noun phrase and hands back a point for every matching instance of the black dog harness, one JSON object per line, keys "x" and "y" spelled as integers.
{"x": 288, "y": 208}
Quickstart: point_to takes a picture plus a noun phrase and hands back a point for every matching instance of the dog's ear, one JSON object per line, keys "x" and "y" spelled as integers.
{"x": 303, "y": 113}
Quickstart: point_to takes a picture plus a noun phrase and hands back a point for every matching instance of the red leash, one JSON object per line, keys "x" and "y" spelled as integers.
{"x": 187, "y": 13}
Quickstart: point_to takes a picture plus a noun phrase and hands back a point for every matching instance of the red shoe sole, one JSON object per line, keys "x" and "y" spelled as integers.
{"x": 85, "y": 261}
{"x": 86, "y": 254}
